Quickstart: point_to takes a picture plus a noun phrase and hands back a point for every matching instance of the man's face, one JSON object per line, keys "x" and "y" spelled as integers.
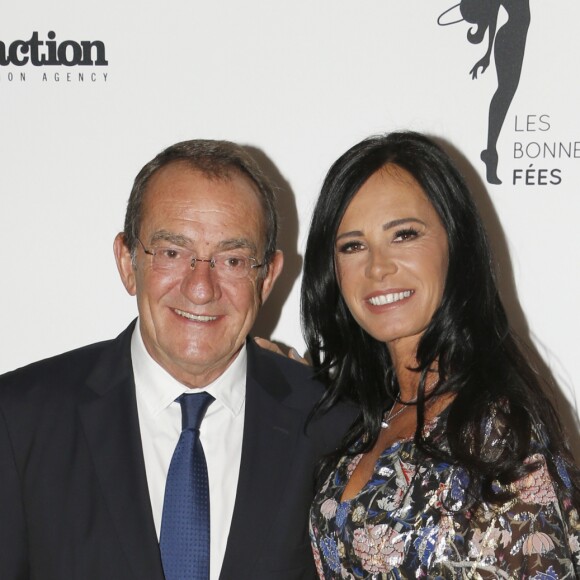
{"x": 194, "y": 323}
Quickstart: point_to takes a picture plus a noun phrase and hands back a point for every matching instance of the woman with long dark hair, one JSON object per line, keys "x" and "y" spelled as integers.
{"x": 457, "y": 466}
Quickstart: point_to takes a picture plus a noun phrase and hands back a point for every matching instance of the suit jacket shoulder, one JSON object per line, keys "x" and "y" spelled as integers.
{"x": 74, "y": 501}
{"x": 295, "y": 386}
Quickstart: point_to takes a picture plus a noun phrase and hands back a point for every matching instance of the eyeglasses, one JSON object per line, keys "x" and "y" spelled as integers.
{"x": 230, "y": 265}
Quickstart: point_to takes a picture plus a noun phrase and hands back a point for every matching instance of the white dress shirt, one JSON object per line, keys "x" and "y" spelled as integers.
{"x": 221, "y": 435}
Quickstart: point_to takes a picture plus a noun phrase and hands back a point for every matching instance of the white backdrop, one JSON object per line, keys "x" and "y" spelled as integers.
{"x": 299, "y": 82}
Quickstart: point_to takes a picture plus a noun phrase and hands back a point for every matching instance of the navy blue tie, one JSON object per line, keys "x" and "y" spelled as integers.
{"x": 184, "y": 538}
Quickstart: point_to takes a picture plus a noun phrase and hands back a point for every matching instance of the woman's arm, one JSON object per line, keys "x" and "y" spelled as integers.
{"x": 535, "y": 535}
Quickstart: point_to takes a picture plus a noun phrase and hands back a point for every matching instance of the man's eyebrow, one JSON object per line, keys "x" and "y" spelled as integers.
{"x": 167, "y": 236}
{"x": 238, "y": 243}
{"x": 184, "y": 241}
{"x": 386, "y": 226}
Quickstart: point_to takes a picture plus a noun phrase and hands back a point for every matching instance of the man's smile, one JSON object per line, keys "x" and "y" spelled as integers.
{"x": 196, "y": 317}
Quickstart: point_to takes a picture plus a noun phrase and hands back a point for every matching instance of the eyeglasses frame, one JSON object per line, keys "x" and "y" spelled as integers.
{"x": 194, "y": 260}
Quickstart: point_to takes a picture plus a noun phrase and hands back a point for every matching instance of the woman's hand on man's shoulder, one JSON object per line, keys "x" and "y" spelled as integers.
{"x": 291, "y": 353}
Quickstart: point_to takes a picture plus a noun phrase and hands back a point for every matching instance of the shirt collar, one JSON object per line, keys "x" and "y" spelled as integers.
{"x": 159, "y": 389}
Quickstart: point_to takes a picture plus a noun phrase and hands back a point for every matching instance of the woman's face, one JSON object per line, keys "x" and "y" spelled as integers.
{"x": 391, "y": 258}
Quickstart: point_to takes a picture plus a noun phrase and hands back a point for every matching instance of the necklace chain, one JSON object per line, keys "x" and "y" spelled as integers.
{"x": 388, "y": 417}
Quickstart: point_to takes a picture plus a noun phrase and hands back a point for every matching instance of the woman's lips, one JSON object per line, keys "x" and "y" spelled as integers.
{"x": 384, "y": 298}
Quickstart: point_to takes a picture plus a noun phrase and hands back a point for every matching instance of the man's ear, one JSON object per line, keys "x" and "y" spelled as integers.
{"x": 125, "y": 264}
{"x": 274, "y": 269}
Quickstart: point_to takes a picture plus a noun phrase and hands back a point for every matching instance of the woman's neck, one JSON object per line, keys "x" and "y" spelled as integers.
{"x": 408, "y": 379}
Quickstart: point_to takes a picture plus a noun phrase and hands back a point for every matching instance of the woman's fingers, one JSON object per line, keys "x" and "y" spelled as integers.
{"x": 272, "y": 346}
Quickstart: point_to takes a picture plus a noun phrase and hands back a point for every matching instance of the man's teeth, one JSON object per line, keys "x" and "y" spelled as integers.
{"x": 195, "y": 317}
{"x": 389, "y": 298}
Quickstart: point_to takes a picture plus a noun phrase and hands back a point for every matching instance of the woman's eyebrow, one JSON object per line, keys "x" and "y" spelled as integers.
{"x": 386, "y": 226}
{"x": 395, "y": 223}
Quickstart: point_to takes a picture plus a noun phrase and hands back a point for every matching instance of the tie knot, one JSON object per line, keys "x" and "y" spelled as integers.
{"x": 193, "y": 408}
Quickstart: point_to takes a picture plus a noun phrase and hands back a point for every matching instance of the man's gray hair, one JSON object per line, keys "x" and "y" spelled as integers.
{"x": 216, "y": 160}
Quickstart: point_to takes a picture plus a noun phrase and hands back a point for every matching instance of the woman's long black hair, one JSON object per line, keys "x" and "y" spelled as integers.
{"x": 468, "y": 340}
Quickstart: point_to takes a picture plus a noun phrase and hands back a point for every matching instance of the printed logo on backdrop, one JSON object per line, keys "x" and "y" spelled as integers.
{"x": 533, "y": 161}
{"x": 51, "y": 59}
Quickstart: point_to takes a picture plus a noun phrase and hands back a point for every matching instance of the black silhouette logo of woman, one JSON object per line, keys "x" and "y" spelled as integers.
{"x": 508, "y": 44}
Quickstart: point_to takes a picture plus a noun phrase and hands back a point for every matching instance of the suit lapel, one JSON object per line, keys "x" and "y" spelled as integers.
{"x": 108, "y": 413}
{"x": 271, "y": 431}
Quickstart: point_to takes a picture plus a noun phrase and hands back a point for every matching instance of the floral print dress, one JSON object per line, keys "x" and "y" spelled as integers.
{"x": 408, "y": 522}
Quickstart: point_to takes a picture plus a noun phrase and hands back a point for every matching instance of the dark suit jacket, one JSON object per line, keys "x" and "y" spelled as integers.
{"x": 74, "y": 502}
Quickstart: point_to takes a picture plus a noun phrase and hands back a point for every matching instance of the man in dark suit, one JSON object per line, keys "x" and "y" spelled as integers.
{"x": 87, "y": 437}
